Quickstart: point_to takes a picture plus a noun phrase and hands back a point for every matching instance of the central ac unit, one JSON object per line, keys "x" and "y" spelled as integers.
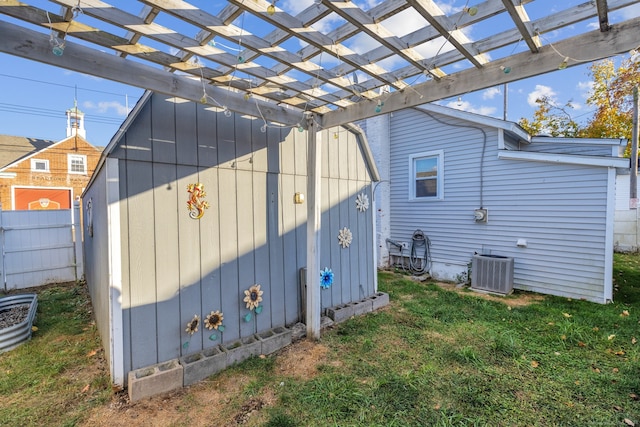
{"x": 492, "y": 273}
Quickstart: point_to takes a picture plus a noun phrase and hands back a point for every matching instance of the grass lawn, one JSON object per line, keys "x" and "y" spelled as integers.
{"x": 434, "y": 357}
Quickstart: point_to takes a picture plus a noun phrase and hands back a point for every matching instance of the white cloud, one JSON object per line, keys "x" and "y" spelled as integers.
{"x": 539, "y": 92}
{"x": 491, "y": 93}
{"x": 466, "y": 106}
{"x": 586, "y": 88}
{"x": 103, "y": 107}
{"x": 294, "y": 7}
{"x": 593, "y": 26}
{"x": 630, "y": 12}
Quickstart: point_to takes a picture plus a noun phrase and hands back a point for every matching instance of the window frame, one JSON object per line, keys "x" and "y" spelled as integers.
{"x": 413, "y": 158}
{"x": 71, "y": 157}
{"x": 36, "y": 161}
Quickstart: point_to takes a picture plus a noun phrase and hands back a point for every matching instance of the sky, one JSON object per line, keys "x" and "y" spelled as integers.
{"x": 35, "y": 96}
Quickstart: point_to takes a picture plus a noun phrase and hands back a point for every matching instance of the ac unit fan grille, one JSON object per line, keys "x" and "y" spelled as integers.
{"x": 492, "y": 273}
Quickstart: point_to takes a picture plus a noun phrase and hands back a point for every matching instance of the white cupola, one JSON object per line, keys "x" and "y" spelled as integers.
{"x": 75, "y": 122}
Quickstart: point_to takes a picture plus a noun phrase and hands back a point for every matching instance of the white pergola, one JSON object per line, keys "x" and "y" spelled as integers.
{"x": 333, "y": 63}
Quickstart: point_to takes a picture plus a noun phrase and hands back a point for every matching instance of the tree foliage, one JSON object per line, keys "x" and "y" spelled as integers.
{"x": 611, "y": 96}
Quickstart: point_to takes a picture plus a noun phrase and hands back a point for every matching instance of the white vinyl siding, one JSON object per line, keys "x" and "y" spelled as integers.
{"x": 560, "y": 210}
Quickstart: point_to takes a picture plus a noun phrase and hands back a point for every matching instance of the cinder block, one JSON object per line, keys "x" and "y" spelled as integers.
{"x": 379, "y": 300}
{"x": 274, "y": 339}
{"x": 340, "y": 313}
{"x": 361, "y": 307}
{"x": 242, "y": 349}
{"x": 155, "y": 379}
{"x": 203, "y": 364}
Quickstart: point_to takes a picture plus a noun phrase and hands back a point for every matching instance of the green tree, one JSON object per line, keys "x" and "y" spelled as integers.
{"x": 612, "y": 97}
{"x": 551, "y": 119}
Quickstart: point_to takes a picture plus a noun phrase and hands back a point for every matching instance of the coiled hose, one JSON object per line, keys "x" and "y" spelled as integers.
{"x": 420, "y": 243}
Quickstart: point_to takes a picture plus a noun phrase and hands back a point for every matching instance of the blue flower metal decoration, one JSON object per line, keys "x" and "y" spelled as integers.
{"x": 326, "y": 278}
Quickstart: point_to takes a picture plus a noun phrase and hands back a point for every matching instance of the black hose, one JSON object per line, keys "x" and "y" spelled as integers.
{"x": 419, "y": 242}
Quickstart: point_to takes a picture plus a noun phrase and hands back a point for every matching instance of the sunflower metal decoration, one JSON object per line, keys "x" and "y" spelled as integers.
{"x": 345, "y": 237}
{"x": 253, "y": 297}
{"x": 192, "y": 325}
{"x": 213, "y": 320}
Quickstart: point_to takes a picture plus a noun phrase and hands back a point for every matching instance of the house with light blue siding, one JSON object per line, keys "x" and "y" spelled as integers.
{"x": 160, "y": 261}
{"x": 476, "y": 185}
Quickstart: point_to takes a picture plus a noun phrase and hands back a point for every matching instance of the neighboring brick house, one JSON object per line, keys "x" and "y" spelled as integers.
{"x": 39, "y": 174}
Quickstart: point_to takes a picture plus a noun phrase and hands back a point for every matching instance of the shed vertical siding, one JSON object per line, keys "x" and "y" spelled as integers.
{"x": 96, "y": 253}
{"x": 560, "y": 210}
{"x": 175, "y": 267}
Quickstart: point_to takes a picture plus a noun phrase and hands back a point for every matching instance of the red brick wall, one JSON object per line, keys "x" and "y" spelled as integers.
{"x": 57, "y": 176}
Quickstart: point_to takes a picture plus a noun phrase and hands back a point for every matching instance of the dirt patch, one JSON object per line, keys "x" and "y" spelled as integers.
{"x": 517, "y": 299}
{"x": 221, "y": 401}
{"x": 301, "y": 360}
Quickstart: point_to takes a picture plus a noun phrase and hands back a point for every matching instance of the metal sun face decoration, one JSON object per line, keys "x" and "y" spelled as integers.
{"x": 362, "y": 202}
{"x": 345, "y": 237}
{"x": 196, "y": 204}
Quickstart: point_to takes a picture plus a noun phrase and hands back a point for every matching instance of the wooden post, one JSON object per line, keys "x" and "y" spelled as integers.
{"x": 314, "y": 204}
{"x": 633, "y": 185}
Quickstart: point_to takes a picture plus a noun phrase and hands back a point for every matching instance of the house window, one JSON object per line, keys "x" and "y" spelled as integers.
{"x": 38, "y": 165}
{"x": 426, "y": 176}
{"x": 77, "y": 163}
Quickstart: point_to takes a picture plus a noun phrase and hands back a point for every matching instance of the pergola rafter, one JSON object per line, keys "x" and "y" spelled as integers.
{"x": 314, "y": 60}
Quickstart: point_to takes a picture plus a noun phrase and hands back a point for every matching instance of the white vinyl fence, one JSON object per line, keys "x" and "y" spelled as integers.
{"x": 38, "y": 247}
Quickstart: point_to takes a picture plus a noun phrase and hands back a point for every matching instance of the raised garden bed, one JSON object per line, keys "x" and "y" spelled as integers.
{"x": 17, "y": 313}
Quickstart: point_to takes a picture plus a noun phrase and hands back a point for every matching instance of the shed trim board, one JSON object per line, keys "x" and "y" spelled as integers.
{"x": 115, "y": 271}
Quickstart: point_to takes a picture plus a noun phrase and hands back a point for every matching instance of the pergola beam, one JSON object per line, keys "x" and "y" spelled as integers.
{"x": 593, "y": 45}
{"x": 35, "y": 46}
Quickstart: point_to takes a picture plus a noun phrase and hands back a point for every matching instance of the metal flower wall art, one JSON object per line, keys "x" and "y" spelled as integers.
{"x": 196, "y": 204}
{"x": 213, "y": 322}
{"x": 253, "y": 298}
{"x": 192, "y": 328}
{"x": 326, "y": 278}
{"x": 345, "y": 237}
{"x": 192, "y": 325}
{"x": 362, "y": 202}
